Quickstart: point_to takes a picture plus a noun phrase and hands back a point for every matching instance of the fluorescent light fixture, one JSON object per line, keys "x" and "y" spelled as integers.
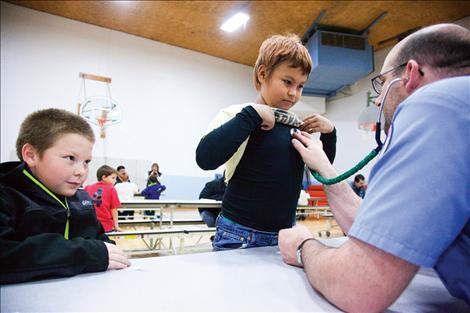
{"x": 235, "y": 22}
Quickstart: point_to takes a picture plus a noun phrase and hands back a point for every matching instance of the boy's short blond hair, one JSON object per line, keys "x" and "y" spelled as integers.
{"x": 42, "y": 128}
{"x": 105, "y": 170}
{"x": 278, "y": 49}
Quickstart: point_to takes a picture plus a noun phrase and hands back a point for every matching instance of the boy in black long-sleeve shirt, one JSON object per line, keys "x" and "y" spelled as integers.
{"x": 264, "y": 171}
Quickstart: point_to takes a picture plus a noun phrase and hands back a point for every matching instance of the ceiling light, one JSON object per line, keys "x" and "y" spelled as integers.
{"x": 235, "y": 22}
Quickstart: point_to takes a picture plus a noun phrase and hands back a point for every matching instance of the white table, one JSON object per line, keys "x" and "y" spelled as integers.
{"x": 171, "y": 205}
{"x": 143, "y": 203}
{"x": 237, "y": 280}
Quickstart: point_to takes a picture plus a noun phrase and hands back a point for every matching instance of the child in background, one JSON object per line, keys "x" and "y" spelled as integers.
{"x": 154, "y": 188}
{"x": 154, "y": 170}
{"x": 213, "y": 190}
{"x": 105, "y": 198}
{"x": 126, "y": 190}
{"x": 48, "y": 227}
{"x": 359, "y": 185}
{"x": 263, "y": 170}
{"x": 122, "y": 175}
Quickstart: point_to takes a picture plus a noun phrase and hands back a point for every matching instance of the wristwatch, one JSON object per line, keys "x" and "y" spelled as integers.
{"x": 299, "y": 251}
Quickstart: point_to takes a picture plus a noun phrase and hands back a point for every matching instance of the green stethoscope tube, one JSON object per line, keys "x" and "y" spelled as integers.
{"x": 347, "y": 174}
{"x": 369, "y": 157}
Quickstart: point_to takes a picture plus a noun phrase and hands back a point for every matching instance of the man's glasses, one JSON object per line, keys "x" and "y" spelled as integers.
{"x": 378, "y": 81}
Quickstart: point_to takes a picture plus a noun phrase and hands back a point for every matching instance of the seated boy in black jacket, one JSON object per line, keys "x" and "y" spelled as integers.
{"x": 48, "y": 228}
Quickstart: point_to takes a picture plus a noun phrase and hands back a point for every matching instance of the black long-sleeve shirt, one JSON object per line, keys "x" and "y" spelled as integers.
{"x": 265, "y": 187}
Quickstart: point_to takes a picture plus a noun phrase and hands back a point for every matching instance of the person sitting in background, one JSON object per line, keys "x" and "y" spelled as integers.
{"x": 154, "y": 170}
{"x": 359, "y": 186}
{"x": 126, "y": 191}
{"x": 214, "y": 190}
{"x": 153, "y": 189}
{"x": 121, "y": 174}
{"x": 48, "y": 226}
{"x": 105, "y": 198}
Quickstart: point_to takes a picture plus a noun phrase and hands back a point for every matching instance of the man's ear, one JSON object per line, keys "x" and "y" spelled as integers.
{"x": 412, "y": 76}
{"x": 29, "y": 154}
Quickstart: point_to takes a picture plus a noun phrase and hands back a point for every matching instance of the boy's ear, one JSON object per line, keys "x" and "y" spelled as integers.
{"x": 29, "y": 154}
{"x": 261, "y": 73}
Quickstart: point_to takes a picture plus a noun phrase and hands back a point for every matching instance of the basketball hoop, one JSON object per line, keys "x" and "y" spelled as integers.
{"x": 367, "y": 118}
{"x": 102, "y": 121}
{"x": 368, "y": 127}
{"x": 101, "y": 110}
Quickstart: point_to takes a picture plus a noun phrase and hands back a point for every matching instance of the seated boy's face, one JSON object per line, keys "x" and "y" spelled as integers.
{"x": 63, "y": 167}
{"x": 283, "y": 89}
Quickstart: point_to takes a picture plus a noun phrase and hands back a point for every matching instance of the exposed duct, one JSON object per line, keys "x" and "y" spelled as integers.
{"x": 341, "y": 57}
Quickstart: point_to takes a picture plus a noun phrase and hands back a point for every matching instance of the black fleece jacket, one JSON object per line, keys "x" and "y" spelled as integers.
{"x": 32, "y": 224}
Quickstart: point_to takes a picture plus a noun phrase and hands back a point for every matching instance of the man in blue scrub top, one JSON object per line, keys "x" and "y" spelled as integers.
{"x": 394, "y": 230}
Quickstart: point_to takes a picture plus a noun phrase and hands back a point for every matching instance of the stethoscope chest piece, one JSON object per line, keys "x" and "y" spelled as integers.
{"x": 294, "y": 131}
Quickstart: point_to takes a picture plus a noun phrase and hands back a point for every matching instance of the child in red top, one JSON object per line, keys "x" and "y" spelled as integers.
{"x": 105, "y": 198}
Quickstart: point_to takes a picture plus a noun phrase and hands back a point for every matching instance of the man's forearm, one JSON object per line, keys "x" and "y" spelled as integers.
{"x": 341, "y": 198}
{"x": 313, "y": 254}
{"x": 352, "y": 276}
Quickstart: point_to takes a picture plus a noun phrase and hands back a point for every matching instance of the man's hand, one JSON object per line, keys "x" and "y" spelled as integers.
{"x": 267, "y": 114}
{"x": 316, "y": 123}
{"x": 117, "y": 258}
{"x": 311, "y": 150}
{"x": 289, "y": 240}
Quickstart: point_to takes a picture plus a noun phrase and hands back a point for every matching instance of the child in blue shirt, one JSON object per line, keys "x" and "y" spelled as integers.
{"x": 153, "y": 189}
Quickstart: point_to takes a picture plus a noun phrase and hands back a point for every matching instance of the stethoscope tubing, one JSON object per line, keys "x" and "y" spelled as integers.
{"x": 378, "y": 125}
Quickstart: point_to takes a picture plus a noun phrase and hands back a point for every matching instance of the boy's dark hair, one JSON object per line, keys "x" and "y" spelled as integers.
{"x": 359, "y": 177}
{"x": 42, "y": 128}
{"x": 444, "y": 47}
{"x": 120, "y": 167}
{"x": 105, "y": 170}
{"x": 278, "y": 49}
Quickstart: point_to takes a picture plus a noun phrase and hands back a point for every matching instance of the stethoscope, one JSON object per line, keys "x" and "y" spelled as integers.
{"x": 371, "y": 155}
{"x": 378, "y": 124}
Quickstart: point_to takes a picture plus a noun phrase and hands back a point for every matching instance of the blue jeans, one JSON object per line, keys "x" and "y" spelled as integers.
{"x": 231, "y": 235}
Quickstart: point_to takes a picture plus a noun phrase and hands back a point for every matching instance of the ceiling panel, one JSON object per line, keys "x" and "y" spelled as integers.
{"x": 195, "y": 25}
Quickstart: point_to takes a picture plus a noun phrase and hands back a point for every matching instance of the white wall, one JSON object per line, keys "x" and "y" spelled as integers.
{"x": 168, "y": 94}
{"x": 353, "y": 143}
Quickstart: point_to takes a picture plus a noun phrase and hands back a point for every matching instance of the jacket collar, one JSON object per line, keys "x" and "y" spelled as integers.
{"x": 11, "y": 175}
